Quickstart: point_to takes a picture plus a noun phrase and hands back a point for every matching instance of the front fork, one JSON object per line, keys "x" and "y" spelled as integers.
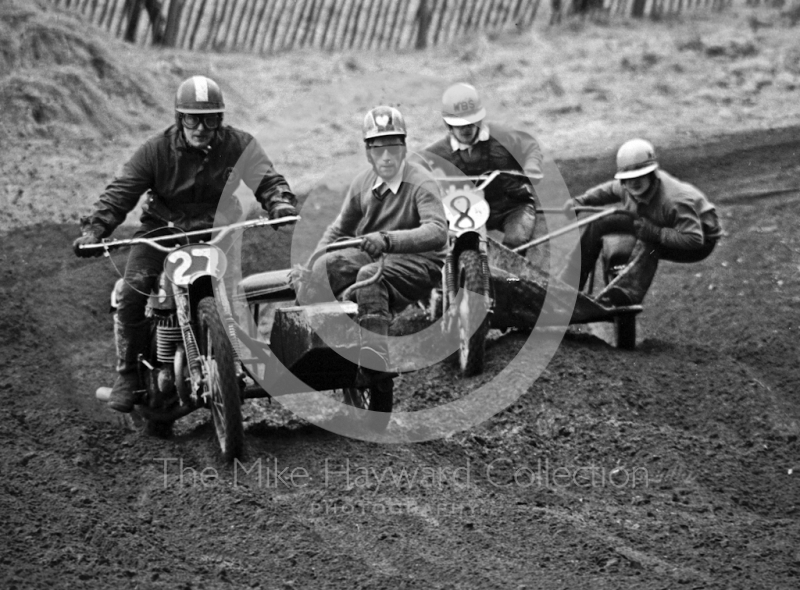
{"x": 450, "y": 279}
{"x": 193, "y": 359}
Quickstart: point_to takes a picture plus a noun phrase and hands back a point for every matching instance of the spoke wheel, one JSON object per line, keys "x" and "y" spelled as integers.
{"x": 223, "y": 396}
{"x": 625, "y": 327}
{"x": 471, "y": 319}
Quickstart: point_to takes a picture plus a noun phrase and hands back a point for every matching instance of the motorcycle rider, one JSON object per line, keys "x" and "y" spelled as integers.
{"x": 672, "y": 220}
{"x": 395, "y": 206}
{"x": 476, "y": 147}
{"x": 184, "y": 171}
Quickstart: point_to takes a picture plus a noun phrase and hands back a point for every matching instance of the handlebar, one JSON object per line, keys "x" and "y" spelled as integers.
{"x": 223, "y": 231}
{"x": 485, "y": 179}
{"x": 341, "y": 245}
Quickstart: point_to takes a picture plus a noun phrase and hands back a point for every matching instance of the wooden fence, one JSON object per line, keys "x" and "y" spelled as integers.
{"x": 267, "y": 26}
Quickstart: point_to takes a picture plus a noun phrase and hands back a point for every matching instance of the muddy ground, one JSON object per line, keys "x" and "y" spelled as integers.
{"x": 676, "y": 465}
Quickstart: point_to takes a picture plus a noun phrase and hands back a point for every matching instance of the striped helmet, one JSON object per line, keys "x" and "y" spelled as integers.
{"x": 198, "y": 95}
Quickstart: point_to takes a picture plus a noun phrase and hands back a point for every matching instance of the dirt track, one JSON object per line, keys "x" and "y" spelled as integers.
{"x": 703, "y": 418}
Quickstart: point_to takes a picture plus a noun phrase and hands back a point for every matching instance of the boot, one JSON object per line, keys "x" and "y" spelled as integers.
{"x": 130, "y": 339}
{"x": 630, "y": 286}
{"x": 373, "y": 358}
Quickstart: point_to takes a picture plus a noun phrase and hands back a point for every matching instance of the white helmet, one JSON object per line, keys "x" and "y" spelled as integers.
{"x": 635, "y": 158}
{"x": 382, "y": 121}
{"x": 461, "y": 105}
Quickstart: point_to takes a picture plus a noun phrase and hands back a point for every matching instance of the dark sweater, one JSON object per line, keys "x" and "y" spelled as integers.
{"x": 413, "y": 218}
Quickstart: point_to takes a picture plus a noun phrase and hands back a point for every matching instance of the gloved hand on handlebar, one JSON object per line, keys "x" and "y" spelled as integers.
{"x": 88, "y": 237}
{"x": 647, "y": 231}
{"x": 375, "y": 244}
{"x": 279, "y": 210}
{"x": 299, "y": 275}
{"x": 569, "y": 207}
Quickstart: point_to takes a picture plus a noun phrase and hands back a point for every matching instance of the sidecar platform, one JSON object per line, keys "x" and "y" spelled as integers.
{"x": 520, "y": 291}
{"x": 315, "y": 347}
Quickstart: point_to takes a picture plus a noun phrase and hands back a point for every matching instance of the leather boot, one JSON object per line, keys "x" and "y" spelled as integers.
{"x": 373, "y": 358}
{"x": 631, "y": 284}
{"x": 130, "y": 340}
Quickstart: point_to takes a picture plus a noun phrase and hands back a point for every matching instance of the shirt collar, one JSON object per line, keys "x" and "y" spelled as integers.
{"x": 483, "y": 135}
{"x": 394, "y": 183}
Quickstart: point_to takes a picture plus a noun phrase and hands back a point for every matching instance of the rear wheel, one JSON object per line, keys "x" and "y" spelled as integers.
{"x": 224, "y": 400}
{"x": 625, "y": 327}
{"x": 471, "y": 314}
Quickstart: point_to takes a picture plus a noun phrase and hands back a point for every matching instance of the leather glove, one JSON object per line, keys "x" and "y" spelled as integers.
{"x": 88, "y": 237}
{"x": 282, "y": 210}
{"x": 647, "y": 231}
{"x": 569, "y": 207}
{"x": 375, "y": 244}
{"x": 299, "y": 274}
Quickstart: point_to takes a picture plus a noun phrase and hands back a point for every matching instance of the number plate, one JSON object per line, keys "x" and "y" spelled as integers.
{"x": 187, "y": 263}
{"x": 466, "y": 210}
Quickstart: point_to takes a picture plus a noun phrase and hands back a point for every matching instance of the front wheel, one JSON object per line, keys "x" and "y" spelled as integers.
{"x": 378, "y": 398}
{"x": 222, "y": 385}
{"x": 471, "y": 314}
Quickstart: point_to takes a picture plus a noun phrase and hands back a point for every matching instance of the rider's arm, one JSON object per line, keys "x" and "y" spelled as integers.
{"x": 258, "y": 173}
{"x": 524, "y": 147}
{"x": 122, "y": 193}
{"x": 530, "y": 156}
{"x": 431, "y": 234}
{"x": 602, "y": 194}
{"x": 683, "y": 229}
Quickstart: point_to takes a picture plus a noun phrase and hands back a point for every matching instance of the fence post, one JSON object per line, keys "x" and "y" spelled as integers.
{"x": 638, "y": 8}
{"x": 247, "y": 22}
{"x": 134, "y": 12}
{"x": 173, "y": 23}
{"x": 197, "y": 22}
{"x": 103, "y": 13}
{"x": 187, "y": 26}
{"x": 424, "y": 19}
{"x": 257, "y": 25}
{"x": 352, "y": 23}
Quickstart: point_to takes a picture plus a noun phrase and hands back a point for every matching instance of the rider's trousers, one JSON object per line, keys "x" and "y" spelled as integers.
{"x": 406, "y": 278}
{"x": 638, "y": 275}
{"x": 517, "y": 224}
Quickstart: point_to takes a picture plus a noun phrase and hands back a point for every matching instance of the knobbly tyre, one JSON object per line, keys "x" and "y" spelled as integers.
{"x": 190, "y": 362}
{"x": 310, "y": 347}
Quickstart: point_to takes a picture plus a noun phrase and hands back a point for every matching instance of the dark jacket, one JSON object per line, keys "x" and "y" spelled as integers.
{"x": 186, "y": 186}
{"x": 686, "y": 218}
{"x": 504, "y": 149}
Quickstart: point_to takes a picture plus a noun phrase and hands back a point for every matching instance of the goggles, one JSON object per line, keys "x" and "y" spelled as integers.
{"x": 394, "y": 149}
{"x": 209, "y": 121}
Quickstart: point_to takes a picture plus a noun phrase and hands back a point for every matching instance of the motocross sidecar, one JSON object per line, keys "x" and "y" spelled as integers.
{"x": 310, "y": 347}
{"x": 520, "y": 290}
